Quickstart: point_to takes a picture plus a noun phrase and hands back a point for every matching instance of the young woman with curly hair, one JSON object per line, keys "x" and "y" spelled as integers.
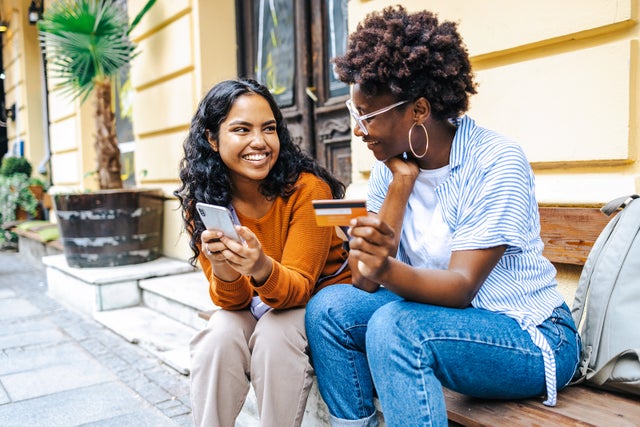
{"x": 467, "y": 300}
{"x": 239, "y": 154}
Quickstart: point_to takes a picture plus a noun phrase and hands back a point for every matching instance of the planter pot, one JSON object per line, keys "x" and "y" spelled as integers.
{"x": 110, "y": 227}
{"x": 38, "y": 193}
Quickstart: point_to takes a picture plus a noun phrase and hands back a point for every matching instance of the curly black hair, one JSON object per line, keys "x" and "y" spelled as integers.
{"x": 204, "y": 176}
{"x": 411, "y": 55}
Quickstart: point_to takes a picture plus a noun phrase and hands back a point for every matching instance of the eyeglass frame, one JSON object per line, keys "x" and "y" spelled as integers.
{"x": 360, "y": 119}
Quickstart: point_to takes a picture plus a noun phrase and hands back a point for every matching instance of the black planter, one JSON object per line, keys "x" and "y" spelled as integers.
{"x": 110, "y": 227}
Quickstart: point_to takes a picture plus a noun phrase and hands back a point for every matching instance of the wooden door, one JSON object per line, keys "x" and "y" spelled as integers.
{"x": 286, "y": 45}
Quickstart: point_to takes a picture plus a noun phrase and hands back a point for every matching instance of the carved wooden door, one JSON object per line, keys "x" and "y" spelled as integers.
{"x": 287, "y": 45}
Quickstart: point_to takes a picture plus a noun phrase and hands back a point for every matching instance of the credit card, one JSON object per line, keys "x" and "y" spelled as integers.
{"x": 332, "y": 212}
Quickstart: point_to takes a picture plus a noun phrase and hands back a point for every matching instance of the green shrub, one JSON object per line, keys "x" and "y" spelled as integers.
{"x": 14, "y": 194}
{"x": 14, "y": 165}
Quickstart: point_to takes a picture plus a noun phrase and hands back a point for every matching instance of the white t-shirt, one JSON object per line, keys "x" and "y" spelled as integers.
{"x": 426, "y": 238}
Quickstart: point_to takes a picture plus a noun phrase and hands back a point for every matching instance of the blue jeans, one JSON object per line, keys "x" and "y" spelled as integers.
{"x": 410, "y": 350}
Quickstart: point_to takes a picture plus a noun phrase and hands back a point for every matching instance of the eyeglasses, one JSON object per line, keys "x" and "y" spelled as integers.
{"x": 360, "y": 120}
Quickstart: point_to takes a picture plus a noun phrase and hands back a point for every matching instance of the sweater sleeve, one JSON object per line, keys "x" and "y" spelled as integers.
{"x": 305, "y": 248}
{"x": 234, "y": 295}
{"x": 298, "y": 247}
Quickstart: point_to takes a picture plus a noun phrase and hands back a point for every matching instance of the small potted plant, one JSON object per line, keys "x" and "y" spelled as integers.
{"x": 17, "y": 198}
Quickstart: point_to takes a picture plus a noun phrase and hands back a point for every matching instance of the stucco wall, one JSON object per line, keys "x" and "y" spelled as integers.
{"x": 22, "y": 63}
{"x": 182, "y": 54}
{"x": 561, "y": 78}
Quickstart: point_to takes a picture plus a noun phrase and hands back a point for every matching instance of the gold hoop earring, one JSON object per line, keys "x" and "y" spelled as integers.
{"x": 426, "y": 134}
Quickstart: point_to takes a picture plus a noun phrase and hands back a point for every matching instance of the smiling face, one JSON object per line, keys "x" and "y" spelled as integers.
{"x": 388, "y": 131}
{"x": 247, "y": 139}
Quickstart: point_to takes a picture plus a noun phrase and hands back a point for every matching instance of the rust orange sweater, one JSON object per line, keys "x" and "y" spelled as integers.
{"x": 302, "y": 253}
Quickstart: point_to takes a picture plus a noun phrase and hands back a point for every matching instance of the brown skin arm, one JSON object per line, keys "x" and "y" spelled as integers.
{"x": 372, "y": 244}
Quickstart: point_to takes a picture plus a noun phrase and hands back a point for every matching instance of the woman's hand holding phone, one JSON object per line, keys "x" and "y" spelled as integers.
{"x": 240, "y": 250}
{"x": 218, "y": 218}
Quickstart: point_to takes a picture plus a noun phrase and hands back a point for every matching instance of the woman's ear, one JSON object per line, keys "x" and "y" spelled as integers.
{"x": 212, "y": 142}
{"x": 421, "y": 109}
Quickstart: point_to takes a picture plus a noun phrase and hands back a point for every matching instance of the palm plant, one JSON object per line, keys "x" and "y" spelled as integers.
{"x": 87, "y": 43}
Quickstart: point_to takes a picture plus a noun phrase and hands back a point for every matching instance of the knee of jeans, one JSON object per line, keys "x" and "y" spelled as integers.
{"x": 381, "y": 326}
{"x": 320, "y": 304}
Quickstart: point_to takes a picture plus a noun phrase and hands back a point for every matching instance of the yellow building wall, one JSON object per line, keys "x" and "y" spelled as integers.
{"x": 23, "y": 63}
{"x": 559, "y": 77}
{"x": 183, "y": 52}
{"x": 185, "y": 47}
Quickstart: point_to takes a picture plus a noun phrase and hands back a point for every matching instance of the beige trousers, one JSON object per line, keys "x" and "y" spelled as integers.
{"x": 235, "y": 350}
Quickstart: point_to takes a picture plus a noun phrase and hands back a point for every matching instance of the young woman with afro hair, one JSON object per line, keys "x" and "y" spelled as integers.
{"x": 239, "y": 154}
{"x": 450, "y": 287}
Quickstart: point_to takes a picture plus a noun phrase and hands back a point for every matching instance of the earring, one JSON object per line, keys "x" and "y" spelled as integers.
{"x": 426, "y": 148}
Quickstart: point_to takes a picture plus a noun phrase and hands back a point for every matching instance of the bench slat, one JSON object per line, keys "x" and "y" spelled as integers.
{"x": 577, "y": 406}
{"x": 569, "y": 233}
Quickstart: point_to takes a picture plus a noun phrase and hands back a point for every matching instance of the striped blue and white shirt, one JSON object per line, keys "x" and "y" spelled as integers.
{"x": 489, "y": 200}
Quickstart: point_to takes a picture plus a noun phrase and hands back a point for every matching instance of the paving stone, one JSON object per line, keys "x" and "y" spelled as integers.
{"x": 62, "y": 368}
{"x": 184, "y": 420}
{"x": 7, "y": 293}
{"x": 13, "y": 326}
{"x": 34, "y": 357}
{"x": 4, "y": 397}
{"x": 75, "y": 407}
{"x": 10, "y": 308}
{"x": 153, "y": 393}
{"x": 145, "y": 418}
{"x": 56, "y": 378}
{"x": 177, "y": 410}
{"x": 25, "y": 339}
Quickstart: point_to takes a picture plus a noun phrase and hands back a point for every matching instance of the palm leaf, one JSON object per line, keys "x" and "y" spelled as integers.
{"x": 85, "y": 41}
{"x": 138, "y": 17}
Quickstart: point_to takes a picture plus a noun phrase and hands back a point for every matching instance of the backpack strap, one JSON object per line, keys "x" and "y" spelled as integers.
{"x": 615, "y": 204}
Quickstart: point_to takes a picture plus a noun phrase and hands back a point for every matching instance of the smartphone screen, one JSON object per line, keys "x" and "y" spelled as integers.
{"x": 217, "y": 218}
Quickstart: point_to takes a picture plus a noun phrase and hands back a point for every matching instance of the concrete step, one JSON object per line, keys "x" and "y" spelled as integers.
{"x": 162, "y": 336}
{"x": 96, "y": 289}
{"x": 181, "y": 297}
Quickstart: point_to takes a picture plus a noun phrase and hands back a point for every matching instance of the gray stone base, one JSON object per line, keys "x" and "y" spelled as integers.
{"x": 96, "y": 289}
{"x": 33, "y": 251}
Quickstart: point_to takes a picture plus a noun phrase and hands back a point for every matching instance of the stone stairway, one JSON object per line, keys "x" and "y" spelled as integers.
{"x": 157, "y": 305}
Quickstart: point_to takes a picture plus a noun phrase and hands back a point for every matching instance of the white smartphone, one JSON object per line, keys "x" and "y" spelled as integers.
{"x": 218, "y": 218}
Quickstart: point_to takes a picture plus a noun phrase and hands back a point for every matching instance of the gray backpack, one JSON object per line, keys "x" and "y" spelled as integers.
{"x": 606, "y": 307}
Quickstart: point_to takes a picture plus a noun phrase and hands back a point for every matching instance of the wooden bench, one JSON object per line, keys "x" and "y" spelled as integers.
{"x": 577, "y": 406}
{"x": 568, "y": 234}
{"x": 36, "y": 239}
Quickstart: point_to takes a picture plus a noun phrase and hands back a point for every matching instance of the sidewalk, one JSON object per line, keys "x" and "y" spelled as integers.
{"x": 61, "y": 368}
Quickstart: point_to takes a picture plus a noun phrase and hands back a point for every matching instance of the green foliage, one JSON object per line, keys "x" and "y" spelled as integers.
{"x": 14, "y": 165}
{"x": 37, "y": 181}
{"x": 14, "y": 194}
{"x": 87, "y": 41}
